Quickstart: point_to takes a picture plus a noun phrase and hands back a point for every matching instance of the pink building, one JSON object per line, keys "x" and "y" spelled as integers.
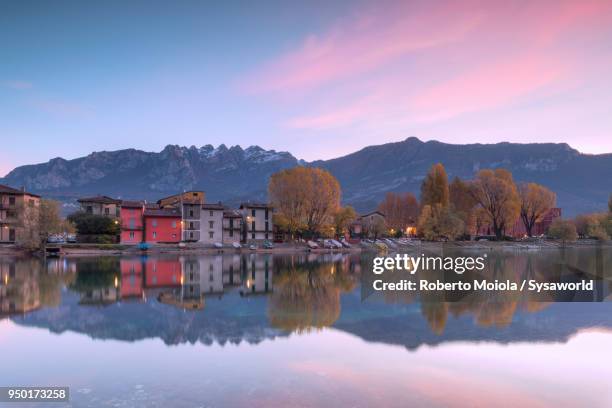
{"x": 132, "y": 213}
{"x": 162, "y": 225}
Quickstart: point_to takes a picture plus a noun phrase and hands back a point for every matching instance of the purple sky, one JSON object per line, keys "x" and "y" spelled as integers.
{"x": 317, "y": 80}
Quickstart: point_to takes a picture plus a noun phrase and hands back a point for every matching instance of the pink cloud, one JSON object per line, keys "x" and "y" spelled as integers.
{"x": 429, "y": 62}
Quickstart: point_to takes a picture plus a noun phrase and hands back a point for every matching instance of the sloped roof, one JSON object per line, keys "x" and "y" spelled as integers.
{"x": 162, "y": 212}
{"x": 255, "y": 205}
{"x": 231, "y": 214}
{"x": 102, "y": 199}
{"x": 132, "y": 204}
{"x": 10, "y": 190}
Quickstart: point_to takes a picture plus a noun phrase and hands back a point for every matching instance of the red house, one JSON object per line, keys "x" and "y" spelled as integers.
{"x": 162, "y": 225}
{"x": 132, "y": 222}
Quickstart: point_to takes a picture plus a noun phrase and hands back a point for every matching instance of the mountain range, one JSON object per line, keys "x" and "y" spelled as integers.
{"x": 582, "y": 182}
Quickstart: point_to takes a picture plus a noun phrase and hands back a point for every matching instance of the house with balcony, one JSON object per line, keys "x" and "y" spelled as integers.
{"x": 189, "y": 203}
{"x": 258, "y": 224}
{"x": 211, "y": 223}
{"x": 18, "y": 214}
{"x": 232, "y": 227}
{"x": 132, "y": 226}
{"x": 101, "y": 205}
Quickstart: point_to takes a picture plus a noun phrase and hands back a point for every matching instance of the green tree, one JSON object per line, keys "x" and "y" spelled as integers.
{"x": 439, "y": 222}
{"x": 434, "y": 189}
{"x": 343, "y": 218}
{"x": 563, "y": 230}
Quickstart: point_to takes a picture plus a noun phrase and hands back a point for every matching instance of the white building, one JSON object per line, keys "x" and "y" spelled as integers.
{"x": 258, "y": 222}
{"x": 232, "y": 227}
{"x": 211, "y": 223}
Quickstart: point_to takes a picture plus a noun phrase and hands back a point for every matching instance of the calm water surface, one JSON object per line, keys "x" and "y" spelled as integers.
{"x": 279, "y": 331}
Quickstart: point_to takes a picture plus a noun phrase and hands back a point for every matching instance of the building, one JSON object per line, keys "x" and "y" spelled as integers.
{"x": 258, "y": 224}
{"x": 189, "y": 203}
{"x": 232, "y": 225}
{"x": 162, "y": 225}
{"x": 176, "y": 199}
{"x": 368, "y": 225}
{"x": 211, "y": 223}
{"x": 132, "y": 227}
{"x": 101, "y": 205}
{"x": 540, "y": 227}
{"x": 18, "y": 215}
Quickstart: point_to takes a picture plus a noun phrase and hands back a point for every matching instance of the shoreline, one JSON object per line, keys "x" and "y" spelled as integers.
{"x": 118, "y": 249}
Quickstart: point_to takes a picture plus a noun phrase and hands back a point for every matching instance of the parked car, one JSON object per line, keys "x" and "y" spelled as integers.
{"x": 312, "y": 245}
{"x": 236, "y": 245}
{"x": 268, "y": 245}
{"x": 338, "y": 244}
{"x": 71, "y": 239}
{"x": 252, "y": 247}
{"x": 345, "y": 244}
{"x": 218, "y": 245}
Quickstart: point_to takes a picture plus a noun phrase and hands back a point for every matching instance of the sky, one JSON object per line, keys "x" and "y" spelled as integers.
{"x": 319, "y": 79}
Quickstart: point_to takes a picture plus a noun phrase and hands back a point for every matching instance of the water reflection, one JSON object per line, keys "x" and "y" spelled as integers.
{"x": 251, "y": 297}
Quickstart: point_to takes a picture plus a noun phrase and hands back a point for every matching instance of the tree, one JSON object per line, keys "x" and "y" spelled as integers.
{"x": 463, "y": 204}
{"x": 377, "y": 227}
{"x": 563, "y": 230}
{"x": 401, "y": 210}
{"x": 92, "y": 224}
{"x": 438, "y": 222}
{"x": 496, "y": 193}
{"x": 38, "y": 222}
{"x": 596, "y": 226}
{"x": 343, "y": 218}
{"x": 434, "y": 189}
{"x": 307, "y": 198}
{"x": 536, "y": 201}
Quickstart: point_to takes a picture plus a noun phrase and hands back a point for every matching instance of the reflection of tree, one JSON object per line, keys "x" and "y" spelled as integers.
{"x": 308, "y": 296}
{"x": 96, "y": 273}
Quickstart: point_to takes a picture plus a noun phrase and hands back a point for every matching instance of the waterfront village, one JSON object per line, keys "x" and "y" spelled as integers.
{"x": 305, "y": 212}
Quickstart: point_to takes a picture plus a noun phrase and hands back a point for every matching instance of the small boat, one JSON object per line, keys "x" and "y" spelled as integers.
{"x": 143, "y": 246}
{"x": 53, "y": 252}
{"x": 312, "y": 245}
{"x": 252, "y": 247}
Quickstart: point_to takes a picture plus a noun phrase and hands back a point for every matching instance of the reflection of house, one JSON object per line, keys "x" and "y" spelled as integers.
{"x": 19, "y": 290}
{"x": 203, "y": 275}
{"x": 162, "y": 273}
{"x": 131, "y": 277}
{"x": 100, "y": 296}
{"x": 211, "y": 225}
{"x": 257, "y": 221}
{"x": 257, "y": 275}
{"x": 100, "y": 205}
{"x": 232, "y": 224}
{"x": 367, "y": 225}
{"x": 162, "y": 225}
{"x": 17, "y": 214}
{"x": 132, "y": 222}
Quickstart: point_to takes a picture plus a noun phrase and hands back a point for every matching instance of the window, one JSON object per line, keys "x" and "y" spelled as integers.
{"x": 88, "y": 209}
{"x": 173, "y": 224}
{"x": 253, "y": 226}
{"x": 154, "y": 223}
{"x": 211, "y": 224}
{"x": 210, "y": 213}
{"x": 253, "y": 235}
{"x": 267, "y": 229}
{"x": 106, "y": 211}
{"x": 266, "y": 235}
{"x": 266, "y": 213}
{"x": 154, "y": 235}
{"x": 191, "y": 213}
{"x": 11, "y": 200}
{"x": 191, "y": 225}
{"x": 211, "y": 234}
{"x": 131, "y": 235}
{"x": 194, "y": 194}
{"x": 253, "y": 213}
{"x": 231, "y": 232}
{"x": 132, "y": 223}
{"x": 191, "y": 235}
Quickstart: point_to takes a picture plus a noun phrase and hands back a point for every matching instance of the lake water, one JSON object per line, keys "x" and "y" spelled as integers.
{"x": 294, "y": 330}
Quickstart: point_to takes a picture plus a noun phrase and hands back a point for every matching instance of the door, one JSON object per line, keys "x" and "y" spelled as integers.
{"x": 11, "y": 235}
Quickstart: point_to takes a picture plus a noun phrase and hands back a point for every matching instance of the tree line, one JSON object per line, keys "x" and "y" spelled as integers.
{"x": 308, "y": 203}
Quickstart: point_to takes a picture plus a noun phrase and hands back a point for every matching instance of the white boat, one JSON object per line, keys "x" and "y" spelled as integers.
{"x": 312, "y": 245}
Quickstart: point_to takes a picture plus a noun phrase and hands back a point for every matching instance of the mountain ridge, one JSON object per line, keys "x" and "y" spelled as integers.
{"x": 233, "y": 174}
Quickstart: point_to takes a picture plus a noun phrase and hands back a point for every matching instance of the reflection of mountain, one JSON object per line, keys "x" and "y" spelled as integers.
{"x": 403, "y": 324}
{"x": 252, "y": 298}
{"x": 230, "y": 319}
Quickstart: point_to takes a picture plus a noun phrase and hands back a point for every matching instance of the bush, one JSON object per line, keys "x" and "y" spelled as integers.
{"x": 89, "y": 224}
{"x": 563, "y": 230}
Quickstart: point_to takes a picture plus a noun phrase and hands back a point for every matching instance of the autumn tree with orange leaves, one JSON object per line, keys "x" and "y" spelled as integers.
{"x": 306, "y": 199}
{"x": 536, "y": 201}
